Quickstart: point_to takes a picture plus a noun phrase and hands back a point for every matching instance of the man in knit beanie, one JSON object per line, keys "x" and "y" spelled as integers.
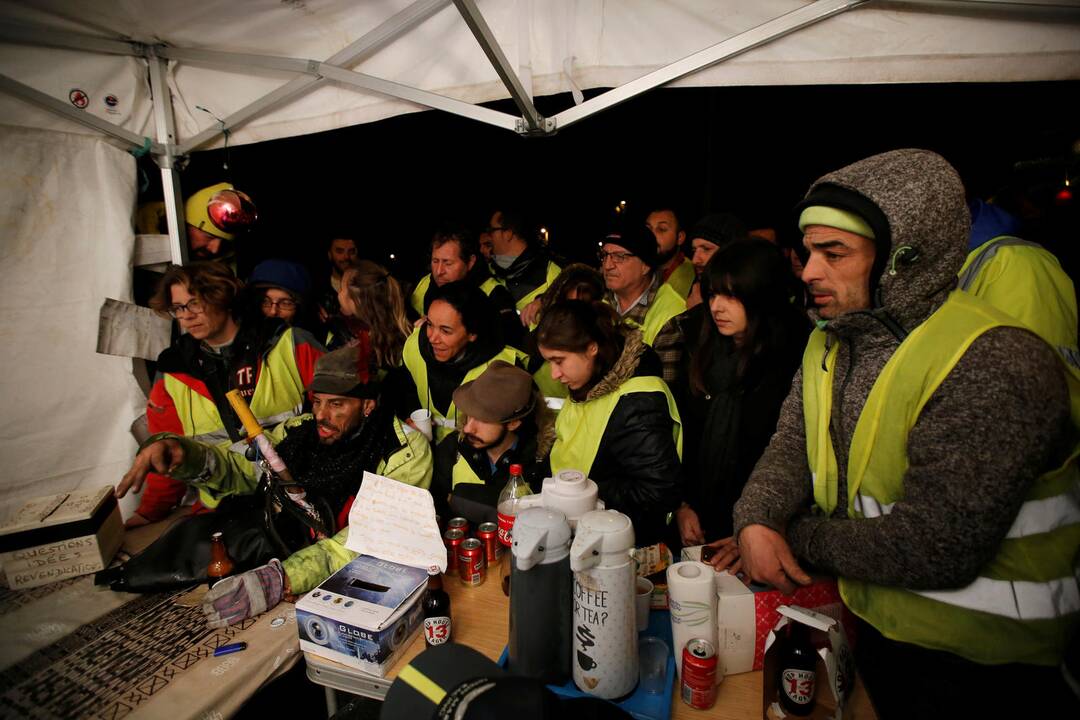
{"x": 628, "y": 260}
{"x": 924, "y": 456}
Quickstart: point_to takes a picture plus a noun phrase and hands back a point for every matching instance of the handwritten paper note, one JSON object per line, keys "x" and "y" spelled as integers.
{"x": 396, "y": 522}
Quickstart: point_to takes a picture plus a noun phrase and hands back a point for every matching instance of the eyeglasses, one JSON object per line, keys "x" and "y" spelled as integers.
{"x": 193, "y": 306}
{"x": 285, "y": 304}
{"x": 616, "y": 257}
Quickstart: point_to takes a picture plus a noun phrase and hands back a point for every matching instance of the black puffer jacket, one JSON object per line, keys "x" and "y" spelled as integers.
{"x": 637, "y": 467}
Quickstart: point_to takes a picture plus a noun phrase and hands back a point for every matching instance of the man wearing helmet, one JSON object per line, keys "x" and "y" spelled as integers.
{"x": 212, "y": 215}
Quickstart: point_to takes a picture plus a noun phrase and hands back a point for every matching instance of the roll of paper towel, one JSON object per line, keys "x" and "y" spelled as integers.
{"x": 692, "y": 600}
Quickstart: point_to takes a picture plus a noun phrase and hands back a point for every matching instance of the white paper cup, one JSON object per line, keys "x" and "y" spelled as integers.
{"x": 422, "y": 420}
{"x": 642, "y": 600}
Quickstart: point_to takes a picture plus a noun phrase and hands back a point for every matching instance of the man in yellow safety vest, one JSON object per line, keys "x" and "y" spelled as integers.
{"x": 924, "y": 455}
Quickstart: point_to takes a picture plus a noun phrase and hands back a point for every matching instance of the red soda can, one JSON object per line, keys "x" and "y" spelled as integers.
{"x": 471, "y": 563}
{"x": 699, "y": 674}
{"x": 452, "y": 539}
{"x": 488, "y": 534}
{"x": 458, "y": 523}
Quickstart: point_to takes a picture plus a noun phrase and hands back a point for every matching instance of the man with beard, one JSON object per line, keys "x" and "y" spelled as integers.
{"x": 506, "y": 423}
{"x": 675, "y": 269}
{"x": 327, "y": 451}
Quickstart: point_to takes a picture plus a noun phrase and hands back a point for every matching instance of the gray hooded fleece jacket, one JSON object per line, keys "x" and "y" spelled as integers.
{"x": 998, "y": 421}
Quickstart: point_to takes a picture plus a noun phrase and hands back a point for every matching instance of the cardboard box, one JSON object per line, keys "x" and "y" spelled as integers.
{"x": 746, "y": 615}
{"x": 364, "y": 614}
{"x": 59, "y": 536}
{"x": 834, "y": 672}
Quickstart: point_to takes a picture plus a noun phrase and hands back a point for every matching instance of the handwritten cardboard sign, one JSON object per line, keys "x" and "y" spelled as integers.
{"x": 396, "y": 522}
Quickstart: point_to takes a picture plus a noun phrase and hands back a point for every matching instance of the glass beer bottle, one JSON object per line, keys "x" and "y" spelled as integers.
{"x": 437, "y": 622}
{"x": 221, "y": 565}
{"x": 797, "y": 671}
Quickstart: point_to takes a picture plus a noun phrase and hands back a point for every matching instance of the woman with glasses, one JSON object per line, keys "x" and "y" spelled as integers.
{"x": 269, "y": 363}
{"x": 737, "y": 371}
{"x": 620, "y": 425}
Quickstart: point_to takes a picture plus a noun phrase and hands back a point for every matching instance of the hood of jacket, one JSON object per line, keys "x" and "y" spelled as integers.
{"x": 623, "y": 369}
{"x": 922, "y": 198}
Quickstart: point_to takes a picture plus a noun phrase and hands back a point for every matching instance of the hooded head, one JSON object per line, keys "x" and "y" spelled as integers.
{"x": 908, "y": 208}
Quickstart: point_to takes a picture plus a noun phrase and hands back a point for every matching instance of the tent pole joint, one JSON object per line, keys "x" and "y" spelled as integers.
{"x": 545, "y": 126}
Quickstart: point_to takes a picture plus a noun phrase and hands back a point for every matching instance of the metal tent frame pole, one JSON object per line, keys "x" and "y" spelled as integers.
{"x": 385, "y": 33}
{"x": 164, "y": 122}
{"x": 221, "y": 59}
{"x": 480, "y": 30}
{"x": 735, "y": 45}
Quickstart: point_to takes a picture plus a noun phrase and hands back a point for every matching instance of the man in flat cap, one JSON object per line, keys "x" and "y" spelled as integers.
{"x": 506, "y": 423}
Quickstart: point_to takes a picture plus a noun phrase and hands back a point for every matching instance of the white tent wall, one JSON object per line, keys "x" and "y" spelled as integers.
{"x": 66, "y": 244}
{"x": 552, "y": 44}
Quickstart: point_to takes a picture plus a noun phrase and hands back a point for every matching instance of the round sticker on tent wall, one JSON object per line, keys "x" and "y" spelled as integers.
{"x": 78, "y": 98}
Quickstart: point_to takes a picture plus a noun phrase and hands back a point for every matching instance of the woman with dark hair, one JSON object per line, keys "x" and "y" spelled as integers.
{"x": 459, "y": 338}
{"x": 577, "y": 281}
{"x": 620, "y": 425}
{"x": 735, "y": 377}
{"x": 457, "y": 341}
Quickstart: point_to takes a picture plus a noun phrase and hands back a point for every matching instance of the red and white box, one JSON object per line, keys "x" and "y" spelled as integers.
{"x": 746, "y": 615}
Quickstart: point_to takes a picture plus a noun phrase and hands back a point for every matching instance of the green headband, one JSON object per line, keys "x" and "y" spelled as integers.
{"x": 836, "y": 218}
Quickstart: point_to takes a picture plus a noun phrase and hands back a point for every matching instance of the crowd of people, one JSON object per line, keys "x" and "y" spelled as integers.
{"x": 894, "y": 403}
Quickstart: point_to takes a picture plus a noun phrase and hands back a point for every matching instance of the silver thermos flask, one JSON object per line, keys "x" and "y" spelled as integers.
{"x": 605, "y": 635}
{"x": 540, "y": 605}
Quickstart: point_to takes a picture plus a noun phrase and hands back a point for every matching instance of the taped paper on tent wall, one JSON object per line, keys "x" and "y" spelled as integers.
{"x": 396, "y": 522}
{"x": 131, "y": 330}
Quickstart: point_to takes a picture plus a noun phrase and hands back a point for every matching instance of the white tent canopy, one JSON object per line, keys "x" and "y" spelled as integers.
{"x": 169, "y": 77}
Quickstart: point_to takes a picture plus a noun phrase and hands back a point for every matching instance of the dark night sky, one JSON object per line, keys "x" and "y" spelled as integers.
{"x": 751, "y": 150}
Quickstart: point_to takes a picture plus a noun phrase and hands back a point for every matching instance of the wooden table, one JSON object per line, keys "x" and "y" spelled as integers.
{"x": 481, "y": 620}
{"x": 71, "y": 649}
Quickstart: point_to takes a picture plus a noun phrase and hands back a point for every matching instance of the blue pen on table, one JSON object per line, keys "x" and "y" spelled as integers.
{"x": 226, "y": 649}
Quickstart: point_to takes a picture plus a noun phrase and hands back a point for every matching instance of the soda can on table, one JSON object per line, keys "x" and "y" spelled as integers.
{"x": 472, "y": 567}
{"x": 452, "y": 538}
{"x": 698, "y": 679}
{"x": 488, "y": 534}
{"x": 458, "y": 523}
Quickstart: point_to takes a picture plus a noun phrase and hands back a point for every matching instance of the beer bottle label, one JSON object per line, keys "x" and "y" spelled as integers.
{"x": 506, "y": 524}
{"x": 437, "y": 630}
{"x": 798, "y": 685}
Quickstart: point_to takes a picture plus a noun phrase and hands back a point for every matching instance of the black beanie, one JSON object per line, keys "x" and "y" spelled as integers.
{"x": 638, "y": 240}
{"x": 721, "y": 229}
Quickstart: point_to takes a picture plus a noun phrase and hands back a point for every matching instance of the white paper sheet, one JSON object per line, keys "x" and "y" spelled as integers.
{"x": 396, "y": 522}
